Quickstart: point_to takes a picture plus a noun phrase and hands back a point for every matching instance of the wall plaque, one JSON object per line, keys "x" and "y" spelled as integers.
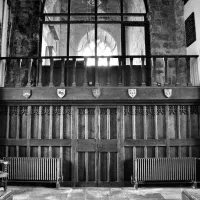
{"x": 190, "y": 30}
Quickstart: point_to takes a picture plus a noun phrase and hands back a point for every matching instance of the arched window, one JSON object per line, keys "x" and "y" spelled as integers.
{"x": 95, "y": 28}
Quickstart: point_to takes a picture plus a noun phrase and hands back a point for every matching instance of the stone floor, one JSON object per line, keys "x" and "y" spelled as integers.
{"x": 143, "y": 193}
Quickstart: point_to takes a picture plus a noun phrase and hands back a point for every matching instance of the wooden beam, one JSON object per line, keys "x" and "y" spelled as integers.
{"x": 36, "y": 142}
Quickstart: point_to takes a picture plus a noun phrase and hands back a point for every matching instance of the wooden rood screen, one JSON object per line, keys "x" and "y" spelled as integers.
{"x": 98, "y": 144}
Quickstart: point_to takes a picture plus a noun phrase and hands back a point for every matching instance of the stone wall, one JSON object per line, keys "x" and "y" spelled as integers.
{"x": 167, "y": 27}
{"x": 25, "y": 28}
{"x": 24, "y": 40}
{"x": 167, "y": 32}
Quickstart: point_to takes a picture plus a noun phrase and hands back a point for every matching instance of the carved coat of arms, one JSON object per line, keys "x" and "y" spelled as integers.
{"x": 168, "y": 92}
{"x": 96, "y": 92}
{"x": 61, "y": 93}
{"x": 132, "y": 92}
{"x": 27, "y": 93}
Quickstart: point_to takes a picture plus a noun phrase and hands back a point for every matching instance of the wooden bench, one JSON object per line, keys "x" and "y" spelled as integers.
{"x": 164, "y": 170}
{"x": 34, "y": 169}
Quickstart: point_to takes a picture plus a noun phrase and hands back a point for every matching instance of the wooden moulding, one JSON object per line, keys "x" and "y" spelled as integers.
{"x": 114, "y": 95}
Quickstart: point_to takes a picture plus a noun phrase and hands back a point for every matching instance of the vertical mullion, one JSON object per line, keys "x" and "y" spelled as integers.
{"x": 86, "y": 138}
{"x": 167, "y": 131}
{"x": 97, "y": 137}
{"x": 156, "y": 129}
{"x": 50, "y": 129}
{"x": 145, "y": 129}
{"x": 178, "y": 129}
{"x": 61, "y": 121}
{"x": 7, "y": 128}
{"x": 18, "y": 122}
{"x": 96, "y": 37}
{"x": 120, "y": 139}
{"x": 189, "y": 122}
{"x": 189, "y": 129}
{"x": 40, "y": 129}
{"x": 74, "y": 145}
{"x": 18, "y": 129}
{"x": 8, "y": 123}
{"x": 68, "y": 27}
{"x": 133, "y": 123}
{"x": 28, "y": 130}
{"x": 108, "y": 138}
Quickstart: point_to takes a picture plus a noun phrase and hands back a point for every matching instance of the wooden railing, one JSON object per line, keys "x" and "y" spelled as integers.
{"x": 160, "y": 70}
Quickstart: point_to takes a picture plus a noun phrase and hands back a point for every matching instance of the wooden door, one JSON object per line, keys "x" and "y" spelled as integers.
{"x": 97, "y": 159}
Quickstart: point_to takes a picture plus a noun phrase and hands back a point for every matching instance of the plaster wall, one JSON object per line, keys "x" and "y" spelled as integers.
{"x": 194, "y": 49}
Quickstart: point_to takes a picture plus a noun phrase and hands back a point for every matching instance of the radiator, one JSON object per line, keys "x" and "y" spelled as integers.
{"x": 165, "y": 169}
{"x": 34, "y": 169}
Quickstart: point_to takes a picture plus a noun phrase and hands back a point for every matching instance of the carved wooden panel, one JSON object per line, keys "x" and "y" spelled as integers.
{"x": 98, "y": 144}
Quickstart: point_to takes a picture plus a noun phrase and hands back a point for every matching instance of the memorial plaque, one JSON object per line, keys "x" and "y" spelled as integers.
{"x": 190, "y": 30}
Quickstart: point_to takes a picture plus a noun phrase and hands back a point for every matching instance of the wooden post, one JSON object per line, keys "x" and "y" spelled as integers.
{"x": 177, "y": 71}
{"x": 18, "y": 81}
{"x": 120, "y": 73}
{"x": 40, "y": 72}
{"x": 108, "y": 72}
{"x": 189, "y": 83}
{"x": 30, "y": 61}
{"x": 85, "y": 73}
{"x": 51, "y": 72}
{"x": 96, "y": 72}
{"x": 74, "y": 73}
{"x": 153, "y": 73}
{"x": 62, "y": 84}
{"x": 143, "y": 72}
{"x": 131, "y": 72}
{"x": 166, "y": 71}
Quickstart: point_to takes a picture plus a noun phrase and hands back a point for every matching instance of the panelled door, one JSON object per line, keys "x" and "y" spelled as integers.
{"x": 97, "y": 146}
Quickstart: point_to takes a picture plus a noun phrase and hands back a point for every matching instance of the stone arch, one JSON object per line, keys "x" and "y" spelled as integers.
{"x": 104, "y": 36}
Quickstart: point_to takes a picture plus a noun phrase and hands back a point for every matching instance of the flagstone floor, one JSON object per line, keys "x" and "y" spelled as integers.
{"x": 64, "y": 193}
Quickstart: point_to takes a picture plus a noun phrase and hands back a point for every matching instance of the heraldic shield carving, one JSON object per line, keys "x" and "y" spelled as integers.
{"x": 132, "y": 92}
{"x": 61, "y": 93}
{"x": 96, "y": 92}
{"x": 168, "y": 92}
{"x": 27, "y": 93}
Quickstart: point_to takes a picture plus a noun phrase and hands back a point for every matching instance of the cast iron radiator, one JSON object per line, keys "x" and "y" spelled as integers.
{"x": 164, "y": 169}
{"x": 34, "y": 169}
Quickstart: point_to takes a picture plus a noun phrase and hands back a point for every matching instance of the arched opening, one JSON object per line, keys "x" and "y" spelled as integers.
{"x": 106, "y": 46}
